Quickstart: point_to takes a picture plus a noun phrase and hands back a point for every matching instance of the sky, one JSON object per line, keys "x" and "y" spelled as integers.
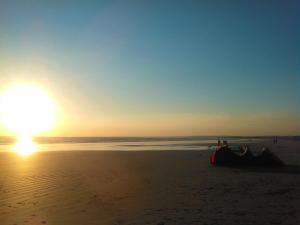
{"x": 158, "y": 68}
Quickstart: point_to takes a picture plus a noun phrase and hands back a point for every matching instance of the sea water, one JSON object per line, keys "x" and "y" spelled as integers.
{"x": 125, "y": 143}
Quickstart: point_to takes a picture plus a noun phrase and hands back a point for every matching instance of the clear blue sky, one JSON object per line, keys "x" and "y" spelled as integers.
{"x": 129, "y": 62}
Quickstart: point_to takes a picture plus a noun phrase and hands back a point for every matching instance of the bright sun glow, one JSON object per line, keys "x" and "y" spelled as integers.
{"x": 26, "y": 110}
{"x": 25, "y": 146}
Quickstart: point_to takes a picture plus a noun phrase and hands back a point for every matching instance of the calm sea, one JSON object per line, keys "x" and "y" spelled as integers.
{"x": 125, "y": 143}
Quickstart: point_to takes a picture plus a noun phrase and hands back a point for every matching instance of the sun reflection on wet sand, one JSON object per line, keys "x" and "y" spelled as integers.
{"x": 25, "y": 146}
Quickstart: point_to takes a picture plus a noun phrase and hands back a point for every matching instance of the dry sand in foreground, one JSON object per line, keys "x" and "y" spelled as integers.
{"x": 161, "y": 187}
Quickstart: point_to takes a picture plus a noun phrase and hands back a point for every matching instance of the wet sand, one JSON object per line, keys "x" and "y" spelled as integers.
{"x": 147, "y": 187}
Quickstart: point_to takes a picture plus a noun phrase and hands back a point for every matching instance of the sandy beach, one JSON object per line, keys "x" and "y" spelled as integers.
{"x": 147, "y": 187}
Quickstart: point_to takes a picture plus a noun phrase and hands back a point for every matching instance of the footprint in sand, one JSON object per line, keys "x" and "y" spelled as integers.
{"x": 240, "y": 213}
{"x": 278, "y": 192}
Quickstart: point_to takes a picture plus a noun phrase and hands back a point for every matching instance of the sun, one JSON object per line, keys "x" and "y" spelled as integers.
{"x": 26, "y": 109}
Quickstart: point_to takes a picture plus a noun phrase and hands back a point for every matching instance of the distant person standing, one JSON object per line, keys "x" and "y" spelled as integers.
{"x": 219, "y": 142}
{"x": 225, "y": 143}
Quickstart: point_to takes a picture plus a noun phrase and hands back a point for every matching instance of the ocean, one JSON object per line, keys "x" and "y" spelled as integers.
{"x": 125, "y": 143}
